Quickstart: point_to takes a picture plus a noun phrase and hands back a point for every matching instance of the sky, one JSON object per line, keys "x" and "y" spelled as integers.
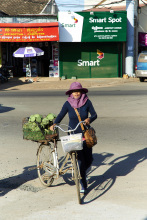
{"x": 70, "y": 5}
{"x": 79, "y": 5}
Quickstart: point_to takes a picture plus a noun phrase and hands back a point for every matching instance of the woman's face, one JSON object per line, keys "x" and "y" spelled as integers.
{"x": 76, "y": 94}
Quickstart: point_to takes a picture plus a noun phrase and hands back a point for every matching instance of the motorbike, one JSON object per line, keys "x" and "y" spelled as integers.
{"x": 4, "y": 75}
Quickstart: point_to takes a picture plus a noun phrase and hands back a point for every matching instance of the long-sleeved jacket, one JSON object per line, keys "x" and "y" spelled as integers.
{"x": 73, "y": 119}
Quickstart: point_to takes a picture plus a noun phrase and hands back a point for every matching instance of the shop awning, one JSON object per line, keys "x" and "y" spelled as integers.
{"x": 29, "y": 32}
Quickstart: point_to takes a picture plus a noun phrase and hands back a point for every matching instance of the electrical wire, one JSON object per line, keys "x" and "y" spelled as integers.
{"x": 78, "y": 5}
{"x": 90, "y": 6}
{"x": 144, "y": 2}
{"x": 111, "y": 3}
{"x": 72, "y": 4}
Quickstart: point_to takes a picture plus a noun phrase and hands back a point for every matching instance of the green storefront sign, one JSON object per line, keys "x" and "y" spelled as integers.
{"x": 90, "y": 60}
{"x": 104, "y": 26}
{"x": 99, "y": 52}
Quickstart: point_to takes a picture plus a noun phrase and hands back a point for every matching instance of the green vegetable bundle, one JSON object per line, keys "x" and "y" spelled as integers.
{"x": 36, "y": 127}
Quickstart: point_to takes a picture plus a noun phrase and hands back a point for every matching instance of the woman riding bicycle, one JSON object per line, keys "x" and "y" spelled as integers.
{"x": 79, "y": 100}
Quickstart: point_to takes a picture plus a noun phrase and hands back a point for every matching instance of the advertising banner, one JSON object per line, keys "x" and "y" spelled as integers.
{"x": 70, "y": 27}
{"x": 29, "y": 33}
{"x": 92, "y": 26}
{"x": 142, "y": 39}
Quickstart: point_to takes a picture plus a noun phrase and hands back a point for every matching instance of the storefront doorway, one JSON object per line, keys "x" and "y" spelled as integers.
{"x": 41, "y": 35}
{"x": 41, "y": 63}
{"x": 91, "y": 60}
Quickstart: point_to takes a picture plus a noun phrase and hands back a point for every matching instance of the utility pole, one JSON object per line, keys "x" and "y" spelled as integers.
{"x": 136, "y": 15}
{"x": 130, "y": 38}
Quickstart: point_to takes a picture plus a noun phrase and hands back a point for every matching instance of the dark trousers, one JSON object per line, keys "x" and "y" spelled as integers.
{"x": 85, "y": 159}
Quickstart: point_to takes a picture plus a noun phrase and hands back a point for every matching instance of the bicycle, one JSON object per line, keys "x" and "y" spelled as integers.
{"x": 48, "y": 165}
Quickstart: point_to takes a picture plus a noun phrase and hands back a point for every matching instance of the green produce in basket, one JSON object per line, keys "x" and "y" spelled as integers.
{"x": 31, "y": 126}
{"x": 39, "y": 118}
{"x": 32, "y": 118}
{"x": 45, "y": 121}
{"x": 36, "y": 117}
{"x": 37, "y": 127}
{"x": 51, "y": 116}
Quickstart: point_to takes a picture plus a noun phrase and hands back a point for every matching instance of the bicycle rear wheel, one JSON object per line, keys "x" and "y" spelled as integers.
{"x": 76, "y": 176}
{"x": 45, "y": 164}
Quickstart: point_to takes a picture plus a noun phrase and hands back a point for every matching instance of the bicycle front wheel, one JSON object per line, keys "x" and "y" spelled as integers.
{"x": 45, "y": 164}
{"x": 76, "y": 176}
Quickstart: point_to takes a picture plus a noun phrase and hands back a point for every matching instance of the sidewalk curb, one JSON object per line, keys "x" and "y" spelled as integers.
{"x": 46, "y": 83}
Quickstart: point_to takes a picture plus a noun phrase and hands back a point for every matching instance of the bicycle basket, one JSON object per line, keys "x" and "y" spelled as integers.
{"x": 72, "y": 142}
{"x": 34, "y": 132}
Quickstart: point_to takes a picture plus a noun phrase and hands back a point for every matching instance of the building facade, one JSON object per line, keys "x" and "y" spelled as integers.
{"x": 91, "y": 44}
{"x": 30, "y": 24}
{"x": 88, "y": 39}
{"x": 136, "y": 23}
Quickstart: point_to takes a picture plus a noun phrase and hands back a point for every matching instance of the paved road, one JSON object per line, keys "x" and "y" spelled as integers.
{"x": 117, "y": 186}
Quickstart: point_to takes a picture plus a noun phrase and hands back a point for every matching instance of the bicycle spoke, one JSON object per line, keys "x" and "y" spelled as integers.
{"x": 45, "y": 164}
{"x": 76, "y": 176}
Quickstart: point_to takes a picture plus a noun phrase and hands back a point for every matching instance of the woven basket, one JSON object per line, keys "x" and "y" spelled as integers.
{"x": 39, "y": 135}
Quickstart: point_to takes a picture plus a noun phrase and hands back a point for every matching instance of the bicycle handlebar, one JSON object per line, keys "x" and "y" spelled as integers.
{"x": 57, "y": 126}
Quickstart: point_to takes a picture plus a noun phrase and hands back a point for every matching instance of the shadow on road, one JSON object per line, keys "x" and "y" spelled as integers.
{"x": 98, "y": 185}
{"x": 12, "y": 83}
{"x": 121, "y": 166}
{"x": 5, "y": 109}
{"x": 99, "y": 159}
{"x": 8, "y": 184}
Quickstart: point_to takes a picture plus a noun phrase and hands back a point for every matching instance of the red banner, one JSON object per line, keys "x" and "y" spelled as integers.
{"x": 29, "y": 32}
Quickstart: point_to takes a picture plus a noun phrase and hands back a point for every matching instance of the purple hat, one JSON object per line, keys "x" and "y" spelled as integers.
{"x": 76, "y": 86}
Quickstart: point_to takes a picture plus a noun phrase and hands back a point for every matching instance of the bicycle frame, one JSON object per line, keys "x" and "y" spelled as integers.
{"x": 61, "y": 170}
{"x": 50, "y": 168}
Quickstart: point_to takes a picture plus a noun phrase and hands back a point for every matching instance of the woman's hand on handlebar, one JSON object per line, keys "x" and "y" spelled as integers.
{"x": 87, "y": 121}
{"x": 52, "y": 127}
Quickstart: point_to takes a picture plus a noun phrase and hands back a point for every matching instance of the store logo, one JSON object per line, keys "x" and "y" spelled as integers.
{"x": 76, "y": 20}
{"x": 92, "y": 63}
{"x": 70, "y": 25}
{"x": 88, "y": 63}
{"x": 104, "y": 20}
{"x": 100, "y": 54}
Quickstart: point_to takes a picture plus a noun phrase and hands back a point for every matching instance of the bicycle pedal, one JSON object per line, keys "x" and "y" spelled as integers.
{"x": 83, "y": 191}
